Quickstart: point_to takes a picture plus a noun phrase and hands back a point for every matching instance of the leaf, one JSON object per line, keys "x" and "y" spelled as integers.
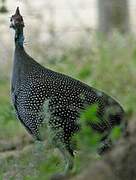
{"x": 115, "y": 133}
{"x": 90, "y": 114}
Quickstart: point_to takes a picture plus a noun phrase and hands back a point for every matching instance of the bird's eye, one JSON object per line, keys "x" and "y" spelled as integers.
{"x": 10, "y": 19}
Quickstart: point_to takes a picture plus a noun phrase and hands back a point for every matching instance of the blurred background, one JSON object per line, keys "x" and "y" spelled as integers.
{"x": 92, "y": 40}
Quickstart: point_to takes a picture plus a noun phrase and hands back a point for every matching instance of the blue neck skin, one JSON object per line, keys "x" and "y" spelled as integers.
{"x": 19, "y": 37}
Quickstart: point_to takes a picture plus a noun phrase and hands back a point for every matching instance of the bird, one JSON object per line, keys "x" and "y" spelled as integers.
{"x": 41, "y": 95}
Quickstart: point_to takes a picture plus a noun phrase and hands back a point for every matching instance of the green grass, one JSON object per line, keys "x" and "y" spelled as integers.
{"x": 31, "y": 164}
{"x": 108, "y": 65}
{"x": 9, "y": 126}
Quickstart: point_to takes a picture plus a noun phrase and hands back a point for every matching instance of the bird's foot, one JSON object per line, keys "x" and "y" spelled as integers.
{"x": 104, "y": 147}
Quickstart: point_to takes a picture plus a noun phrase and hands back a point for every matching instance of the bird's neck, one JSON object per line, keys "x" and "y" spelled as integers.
{"x": 19, "y": 37}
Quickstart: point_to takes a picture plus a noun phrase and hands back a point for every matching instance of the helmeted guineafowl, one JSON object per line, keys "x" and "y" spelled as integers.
{"x": 34, "y": 85}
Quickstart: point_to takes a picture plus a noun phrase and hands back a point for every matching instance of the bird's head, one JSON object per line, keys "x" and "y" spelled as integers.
{"x": 16, "y": 20}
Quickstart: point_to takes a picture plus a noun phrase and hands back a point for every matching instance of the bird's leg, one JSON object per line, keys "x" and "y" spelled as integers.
{"x": 68, "y": 167}
{"x": 68, "y": 159}
{"x": 105, "y": 143}
{"x": 58, "y": 142}
{"x": 104, "y": 146}
{"x": 57, "y": 139}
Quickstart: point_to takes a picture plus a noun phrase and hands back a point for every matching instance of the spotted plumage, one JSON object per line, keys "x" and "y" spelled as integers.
{"x": 33, "y": 85}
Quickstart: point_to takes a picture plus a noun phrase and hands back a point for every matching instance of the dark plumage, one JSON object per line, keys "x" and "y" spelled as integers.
{"x": 33, "y": 86}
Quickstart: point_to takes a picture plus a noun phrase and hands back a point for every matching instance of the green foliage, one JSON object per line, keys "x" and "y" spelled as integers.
{"x": 8, "y": 123}
{"x": 88, "y": 139}
{"x": 89, "y": 115}
{"x": 115, "y": 133}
